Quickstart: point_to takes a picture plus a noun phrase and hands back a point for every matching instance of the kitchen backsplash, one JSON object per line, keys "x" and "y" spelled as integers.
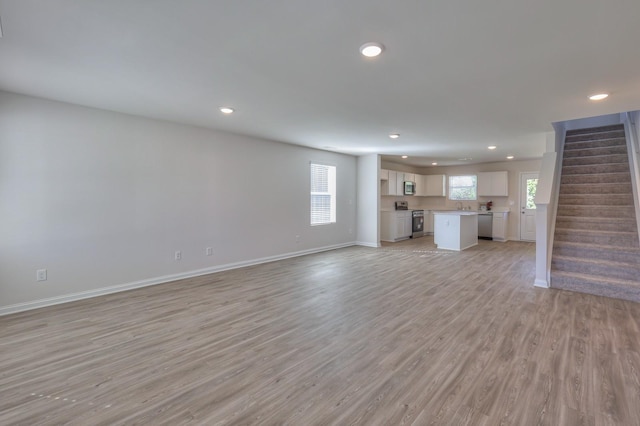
{"x": 442, "y": 203}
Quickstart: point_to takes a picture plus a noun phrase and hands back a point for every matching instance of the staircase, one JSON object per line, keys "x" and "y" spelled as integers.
{"x": 596, "y": 246}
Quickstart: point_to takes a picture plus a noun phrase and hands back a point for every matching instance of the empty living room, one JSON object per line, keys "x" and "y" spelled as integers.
{"x": 194, "y": 200}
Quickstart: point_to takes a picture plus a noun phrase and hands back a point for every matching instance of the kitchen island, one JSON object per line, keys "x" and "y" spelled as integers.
{"x": 455, "y": 229}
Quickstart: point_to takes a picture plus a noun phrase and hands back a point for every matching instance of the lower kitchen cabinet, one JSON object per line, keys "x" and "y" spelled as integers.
{"x": 395, "y": 225}
{"x": 500, "y": 222}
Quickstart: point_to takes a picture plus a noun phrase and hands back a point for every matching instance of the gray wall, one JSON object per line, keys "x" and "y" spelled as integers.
{"x": 103, "y": 199}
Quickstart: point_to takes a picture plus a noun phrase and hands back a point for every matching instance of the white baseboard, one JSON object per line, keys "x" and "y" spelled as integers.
{"x": 541, "y": 283}
{"x": 365, "y": 244}
{"x": 41, "y": 303}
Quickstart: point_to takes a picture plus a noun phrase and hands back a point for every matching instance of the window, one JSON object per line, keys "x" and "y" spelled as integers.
{"x": 532, "y": 185}
{"x": 323, "y": 194}
{"x": 463, "y": 188}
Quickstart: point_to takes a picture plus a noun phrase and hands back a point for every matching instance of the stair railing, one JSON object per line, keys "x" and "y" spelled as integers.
{"x": 631, "y": 122}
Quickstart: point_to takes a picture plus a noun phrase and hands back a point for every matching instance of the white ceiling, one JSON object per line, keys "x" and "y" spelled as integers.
{"x": 456, "y": 75}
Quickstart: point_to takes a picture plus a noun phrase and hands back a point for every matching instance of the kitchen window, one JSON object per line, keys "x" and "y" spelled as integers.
{"x": 463, "y": 188}
{"x": 323, "y": 194}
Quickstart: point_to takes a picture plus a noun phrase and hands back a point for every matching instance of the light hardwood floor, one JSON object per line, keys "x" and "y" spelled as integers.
{"x": 404, "y": 334}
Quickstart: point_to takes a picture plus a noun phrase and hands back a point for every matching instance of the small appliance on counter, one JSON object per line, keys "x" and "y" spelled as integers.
{"x": 402, "y": 205}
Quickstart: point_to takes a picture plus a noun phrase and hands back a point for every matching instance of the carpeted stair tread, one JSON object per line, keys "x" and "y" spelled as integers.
{"x": 596, "y": 151}
{"x": 595, "y": 188}
{"x": 597, "y": 251}
{"x": 600, "y": 286}
{"x": 624, "y": 239}
{"x": 596, "y": 178}
{"x": 596, "y": 159}
{"x": 596, "y": 129}
{"x": 603, "y": 224}
{"x": 595, "y": 211}
{"x": 595, "y": 168}
{"x": 597, "y": 267}
{"x": 596, "y": 199}
{"x": 579, "y": 144}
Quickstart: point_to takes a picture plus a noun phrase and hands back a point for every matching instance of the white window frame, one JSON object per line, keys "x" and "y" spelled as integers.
{"x": 324, "y": 216}
{"x": 452, "y": 188}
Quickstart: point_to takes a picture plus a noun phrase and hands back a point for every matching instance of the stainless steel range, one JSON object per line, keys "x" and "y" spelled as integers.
{"x": 417, "y": 223}
{"x": 417, "y": 219}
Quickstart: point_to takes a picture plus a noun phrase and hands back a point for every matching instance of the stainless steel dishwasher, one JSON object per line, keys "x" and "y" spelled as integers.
{"x": 485, "y": 226}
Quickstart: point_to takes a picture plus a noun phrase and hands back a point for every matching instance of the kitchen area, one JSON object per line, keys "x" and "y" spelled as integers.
{"x": 419, "y": 205}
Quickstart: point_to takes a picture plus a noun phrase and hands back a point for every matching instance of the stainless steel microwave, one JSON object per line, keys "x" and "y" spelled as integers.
{"x": 409, "y": 188}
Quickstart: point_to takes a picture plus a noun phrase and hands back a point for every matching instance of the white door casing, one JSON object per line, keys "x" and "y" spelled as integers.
{"x": 528, "y": 185}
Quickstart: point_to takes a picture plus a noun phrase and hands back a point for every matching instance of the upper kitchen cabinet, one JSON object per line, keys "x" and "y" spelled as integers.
{"x": 493, "y": 184}
{"x": 388, "y": 182}
{"x": 430, "y": 186}
{"x": 434, "y": 185}
{"x": 409, "y": 177}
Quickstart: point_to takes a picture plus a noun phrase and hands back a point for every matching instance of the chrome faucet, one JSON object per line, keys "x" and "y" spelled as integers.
{"x": 459, "y": 205}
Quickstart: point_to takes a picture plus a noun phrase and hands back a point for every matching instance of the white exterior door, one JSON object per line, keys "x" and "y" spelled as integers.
{"x": 528, "y": 185}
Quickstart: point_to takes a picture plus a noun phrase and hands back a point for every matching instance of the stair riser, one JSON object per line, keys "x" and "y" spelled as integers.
{"x": 618, "y": 240}
{"x": 616, "y": 134}
{"x": 601, "y": 178}
{"x": 597, "y": 211}
{"x": 596, "y": 254}
{"x": 574, "y": 189}
{"x": 623, "y": 272}
{"x": 603, "y": 225}
{"x": 596, "y": 200}
{"x": 596, "y": 168}
{"x": 601, "y": 143}
{"x": 594, "y": 287}
{"x": 600, "y": 159}
{"x": 594, "y": 152}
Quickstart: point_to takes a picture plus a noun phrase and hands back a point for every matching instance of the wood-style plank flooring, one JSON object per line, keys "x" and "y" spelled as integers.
{"x": 403, "y": 334}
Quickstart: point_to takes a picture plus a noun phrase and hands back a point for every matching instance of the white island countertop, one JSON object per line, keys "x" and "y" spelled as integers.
{"x": 456, "y": 212}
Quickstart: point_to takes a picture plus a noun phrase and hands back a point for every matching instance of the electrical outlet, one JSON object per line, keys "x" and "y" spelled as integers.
{"x": 41, "y": 275}
{"x": 209, "y": 251}
{"x": 178, "y": 255}
{"x": 297, "y": 238}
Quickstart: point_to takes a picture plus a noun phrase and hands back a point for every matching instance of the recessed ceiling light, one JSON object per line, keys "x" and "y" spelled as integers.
{"x": 371, "y": 50}
{"x": 434, "y": 164}
{"x": 394, "y": 135}
{"x": 509, "y": 157}
{"x": 226, "y": 110}
{"x": 492, "y": 147}
{"x": 405, "y": 156}
{"x": 599, "y": 96}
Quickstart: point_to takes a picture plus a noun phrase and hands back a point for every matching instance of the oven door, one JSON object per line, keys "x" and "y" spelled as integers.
{"x": 418, "y": 224}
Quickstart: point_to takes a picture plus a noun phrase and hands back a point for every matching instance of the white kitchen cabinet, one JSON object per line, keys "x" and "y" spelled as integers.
{"x": 421, "y": 189}
{"x": 392, "y": 183}
{"x": 399, "y": 183}
{"x": 493, "y": 184}
{"x": 395, "y": 225}
{"x": 384, "y": 174}
{"x": 500, "y": 221}
{"x": 434, "y": 185}
{"x": 409, "y": 177}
